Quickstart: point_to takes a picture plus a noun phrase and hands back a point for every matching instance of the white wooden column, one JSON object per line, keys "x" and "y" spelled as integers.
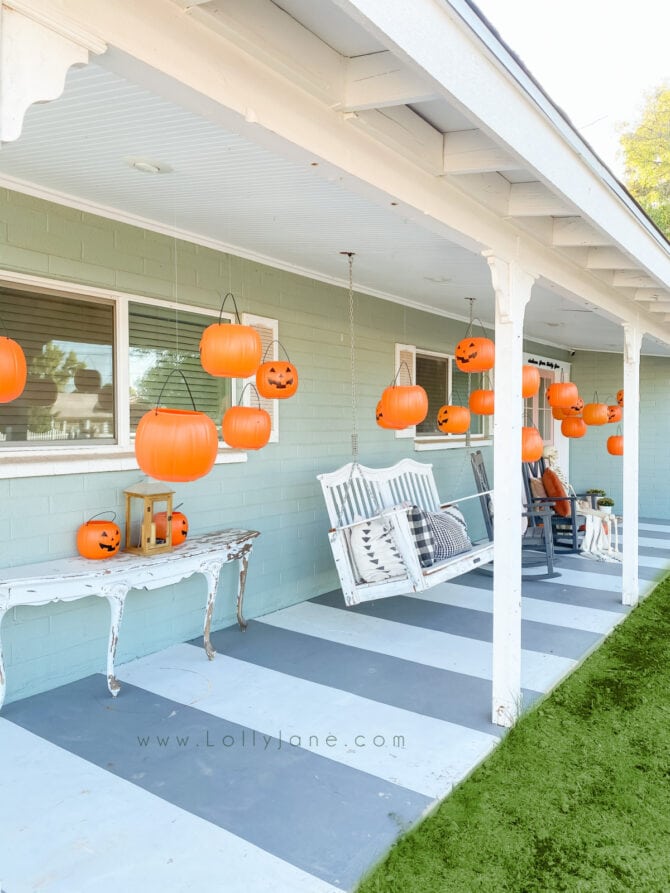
{"x": 631, "y": 462}
{"x": 512, "y": 286}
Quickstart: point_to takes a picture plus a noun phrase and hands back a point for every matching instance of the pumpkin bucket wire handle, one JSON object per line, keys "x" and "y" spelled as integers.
{"x": 158, "y": 402}
{"x": 395, "y": 377}
{"x": 468, "y": 331}
{"x": 250, "y": 384}
{"x": 275, "y": 341}
{"x": 105, "y": 512}
{"x": 237, "y": 312}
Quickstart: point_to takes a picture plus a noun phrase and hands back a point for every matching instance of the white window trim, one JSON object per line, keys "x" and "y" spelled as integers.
{"x": 431, "y": 442}
{"x": 28, "y": 461}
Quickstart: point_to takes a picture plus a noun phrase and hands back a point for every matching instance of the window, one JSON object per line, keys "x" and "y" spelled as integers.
{"x": 444, "y": 383}
{"x": 537, "y": 412}
{"x": 70, "y": 357}
{"x": 162, "y": 341}
{"x": 97, "y": 361}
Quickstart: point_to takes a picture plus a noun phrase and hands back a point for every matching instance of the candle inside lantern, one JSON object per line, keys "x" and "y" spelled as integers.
{"x": 153, "y": 534}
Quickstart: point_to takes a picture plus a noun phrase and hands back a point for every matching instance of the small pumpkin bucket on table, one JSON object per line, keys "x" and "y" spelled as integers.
{"x": 98, "y": 538}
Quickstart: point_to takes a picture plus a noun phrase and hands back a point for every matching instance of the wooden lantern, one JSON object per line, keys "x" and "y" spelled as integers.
{"x": 144, "y": 502}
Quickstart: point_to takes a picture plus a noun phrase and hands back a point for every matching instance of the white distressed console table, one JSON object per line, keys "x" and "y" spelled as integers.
{"x": 67, "y": 579}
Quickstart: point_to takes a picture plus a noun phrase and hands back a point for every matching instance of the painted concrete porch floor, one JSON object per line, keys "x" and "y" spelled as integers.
{"x": 293, "y": 760}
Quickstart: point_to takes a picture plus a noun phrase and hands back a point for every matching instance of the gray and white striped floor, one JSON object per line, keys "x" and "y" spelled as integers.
{"x": 293, "y": 760}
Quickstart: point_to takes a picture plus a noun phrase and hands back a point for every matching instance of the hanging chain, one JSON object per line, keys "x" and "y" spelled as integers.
{"x": 468, "y": 434}
{"x": 354, "y": 406}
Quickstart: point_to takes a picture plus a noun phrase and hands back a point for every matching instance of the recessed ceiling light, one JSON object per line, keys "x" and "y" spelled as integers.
{"x": 148, "y": 166}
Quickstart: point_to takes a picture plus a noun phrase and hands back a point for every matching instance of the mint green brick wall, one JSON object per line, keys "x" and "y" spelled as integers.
{"x": 276, "y": 491}
{"x": 590, "y": 463}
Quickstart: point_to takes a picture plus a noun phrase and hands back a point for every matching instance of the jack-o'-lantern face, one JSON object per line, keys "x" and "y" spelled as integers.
{"x": 619, "y": 397}
{"x": 98, "y": 539}
{"x": 614, "y": 413}
{"x": 475, "y": 354}
{"x": 179, "y": 525}
{"x": 277, "y": 380}
{"x": 379, "y": 416}
{"x": 575, "y": 408}
{"x": 453, "y": 419}
{"x": 110, "y": 542}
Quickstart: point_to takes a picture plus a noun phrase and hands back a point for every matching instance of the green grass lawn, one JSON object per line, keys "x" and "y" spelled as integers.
{"x": 577, "y": 796}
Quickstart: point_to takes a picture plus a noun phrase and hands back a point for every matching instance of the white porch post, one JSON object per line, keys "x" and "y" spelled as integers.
{"x": 631, "y": 462}
{"x": 512, "y": 286}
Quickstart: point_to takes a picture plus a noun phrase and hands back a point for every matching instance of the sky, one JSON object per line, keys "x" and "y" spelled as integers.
{"x": 597, "y": 59}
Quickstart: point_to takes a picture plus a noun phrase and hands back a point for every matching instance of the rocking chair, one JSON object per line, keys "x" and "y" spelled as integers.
{"x": 537, "y": 535}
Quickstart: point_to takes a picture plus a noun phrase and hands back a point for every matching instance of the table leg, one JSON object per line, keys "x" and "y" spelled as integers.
{"x": 244, "y": 566}
{"x": 116, "y": 596}
{"x": 210, "y": 571}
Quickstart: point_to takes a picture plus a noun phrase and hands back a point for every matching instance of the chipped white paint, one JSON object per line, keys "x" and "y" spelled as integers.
{"x": 69, "y": 579}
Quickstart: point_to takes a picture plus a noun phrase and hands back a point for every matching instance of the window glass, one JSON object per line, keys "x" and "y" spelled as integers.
{"x": 432, "y": 373}
{"x": 163, "y": 340}
{"x": 69, "y": 393}
{"x": 537, "y": 412}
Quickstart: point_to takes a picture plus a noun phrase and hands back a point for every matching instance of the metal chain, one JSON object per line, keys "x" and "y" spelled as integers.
{"x": 354, "y": 401}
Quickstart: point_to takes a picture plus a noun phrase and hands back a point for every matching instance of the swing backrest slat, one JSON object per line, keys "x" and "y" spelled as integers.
{"x": 364, "y": 492}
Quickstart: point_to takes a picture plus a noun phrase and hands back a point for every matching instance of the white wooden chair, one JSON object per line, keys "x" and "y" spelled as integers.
{"x": 355, "y": 492}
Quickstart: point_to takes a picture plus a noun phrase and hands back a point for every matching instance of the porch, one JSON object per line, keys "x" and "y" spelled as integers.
{"x": 297, "y": 756}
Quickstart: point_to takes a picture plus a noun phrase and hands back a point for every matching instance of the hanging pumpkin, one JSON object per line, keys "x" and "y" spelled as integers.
{"x": 562, "y": 394}
{"x": 475, "y": 354}
{"x": 379, "y": 417}
{"x": 404, "y": 405}
{"x": 179, "y": 527}
{"x": 13, "y": 370}
{"x": 276, "y": 379}
{"x": 481, "y": 402}
{"x": 573, "y": 426}
{"x": 230, "y": 349}
{"x": 453, "y": 419}
{"x": 98, "y": 539}
{"x": 532, "y": 446}
{"x": 530, "y": 381}
{"x": 575, "y": 409}
{"x": 176, "y": 444}
{"x": 615, "y": 445}
{"x": 246, "y": 427}
{"x": 558, "y": 413}
{"x": 619, "y": 397}
{"x": 614, "y": 413}
{"x": 595, "y": 414}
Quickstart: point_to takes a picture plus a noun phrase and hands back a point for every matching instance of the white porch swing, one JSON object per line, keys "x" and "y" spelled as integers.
{"x": 379, "y": 545}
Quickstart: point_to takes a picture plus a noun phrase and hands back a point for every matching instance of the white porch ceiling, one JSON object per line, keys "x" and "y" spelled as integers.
{"x": 227, "y": 190}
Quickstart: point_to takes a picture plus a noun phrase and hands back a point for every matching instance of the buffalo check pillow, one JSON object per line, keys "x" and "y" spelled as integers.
{"x": 423, "y": 535}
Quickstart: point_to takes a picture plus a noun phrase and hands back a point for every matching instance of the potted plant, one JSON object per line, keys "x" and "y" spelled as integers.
{"x": 594, "y": 494}
{"x": 605, "y": 504}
